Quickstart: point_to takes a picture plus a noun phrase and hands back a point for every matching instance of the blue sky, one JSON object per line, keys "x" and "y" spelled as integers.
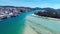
{"x": 32, "y": 3}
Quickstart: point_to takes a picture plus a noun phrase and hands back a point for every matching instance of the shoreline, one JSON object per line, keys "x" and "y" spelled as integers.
{"x": 48, "y": 17}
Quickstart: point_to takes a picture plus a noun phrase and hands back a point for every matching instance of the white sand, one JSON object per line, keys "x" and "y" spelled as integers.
{"x": 48, "y": 17}
{"x": 29, "y": 30}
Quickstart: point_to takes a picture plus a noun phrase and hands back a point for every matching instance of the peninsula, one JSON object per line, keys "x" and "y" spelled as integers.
{"x": 49, "y": 12}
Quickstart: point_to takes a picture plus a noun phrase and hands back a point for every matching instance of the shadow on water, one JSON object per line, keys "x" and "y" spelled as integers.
{"x": 14, "y": 25}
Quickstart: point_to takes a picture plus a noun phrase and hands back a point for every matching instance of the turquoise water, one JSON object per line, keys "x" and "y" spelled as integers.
{"x": 40, "y": 25}
{"x": 14, "y": 25}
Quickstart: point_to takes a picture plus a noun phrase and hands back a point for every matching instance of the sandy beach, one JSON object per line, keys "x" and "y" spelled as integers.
{"x": 48, "y": 17}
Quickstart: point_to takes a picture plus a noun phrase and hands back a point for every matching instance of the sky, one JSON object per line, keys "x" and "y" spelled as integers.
{"x": 32, "y": 3}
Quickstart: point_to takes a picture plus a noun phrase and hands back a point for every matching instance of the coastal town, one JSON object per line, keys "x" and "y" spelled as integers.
{"x": 11, "y": 11}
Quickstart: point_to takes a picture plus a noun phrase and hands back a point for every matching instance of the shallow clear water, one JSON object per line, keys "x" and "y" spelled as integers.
{"x": 43, "y": 25}
{"x": 17, "y": 25}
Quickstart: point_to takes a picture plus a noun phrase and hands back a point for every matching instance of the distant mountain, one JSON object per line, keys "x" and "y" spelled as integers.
{"x": 8, "y": 6}
{"x": 15, "y": 7}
